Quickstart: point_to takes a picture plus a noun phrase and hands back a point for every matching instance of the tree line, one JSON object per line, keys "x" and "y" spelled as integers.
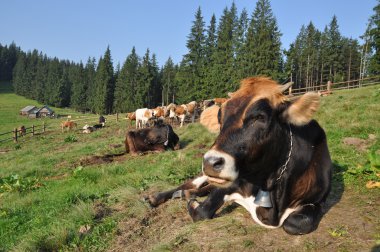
{"x": 220, "y": 53}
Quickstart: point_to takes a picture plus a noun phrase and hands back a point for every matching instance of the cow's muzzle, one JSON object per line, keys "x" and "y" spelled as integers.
{"x": 219, "y": 167}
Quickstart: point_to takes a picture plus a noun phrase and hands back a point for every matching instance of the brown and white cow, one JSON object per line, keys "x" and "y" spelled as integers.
{"x": 159, "y": 112}
{"x": 184, "y": 110}
{"x": 142, "y": 117}
{"x": 270, "y": 157}
{"x": 156, "y": 139}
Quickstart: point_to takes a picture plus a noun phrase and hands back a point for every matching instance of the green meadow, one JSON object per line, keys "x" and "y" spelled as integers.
{"x": 68, "y": 191}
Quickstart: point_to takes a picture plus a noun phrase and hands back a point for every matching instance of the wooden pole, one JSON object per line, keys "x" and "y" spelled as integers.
{"x": 329, "y": 86}
{"x": 43, "y": 127}
{"x": 33, "y": 130}
{"x": 117, "y": 117}
{"x": 15, "y": 135}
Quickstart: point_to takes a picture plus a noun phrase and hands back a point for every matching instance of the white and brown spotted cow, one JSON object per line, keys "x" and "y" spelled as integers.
{"x": 142, "y": 117}
{"x": 270, "y": 157}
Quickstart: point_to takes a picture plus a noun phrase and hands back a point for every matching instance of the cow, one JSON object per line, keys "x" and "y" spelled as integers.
{"x": 22, "y": 130}
{"x": 220, "y": 101}
{"x": 88, "y": 129}
{"x": 270, "y": 157}
{"x": 142, "y": 117}
{"x": 131, "y": 116}
{"x": 68, "y": 125}
{"x": 170, "y": 112}
{"x": 209, "y": 119}
{"x": 159, "y": 112}
{"x": 102, "y": 120}
{"x": 156, "y": 139}
{"x": 184, "y": 110}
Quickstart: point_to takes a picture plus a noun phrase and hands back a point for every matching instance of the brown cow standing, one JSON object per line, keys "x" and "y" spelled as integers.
{"x": 68, "y": 125}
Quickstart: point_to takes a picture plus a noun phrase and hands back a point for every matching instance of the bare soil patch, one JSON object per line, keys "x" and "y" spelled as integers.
{"x": 360, "y": 144}
{"x": 351, "y": 224}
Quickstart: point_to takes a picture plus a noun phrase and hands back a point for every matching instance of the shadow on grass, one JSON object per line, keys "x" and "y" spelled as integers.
{"x": 337, "y": 185}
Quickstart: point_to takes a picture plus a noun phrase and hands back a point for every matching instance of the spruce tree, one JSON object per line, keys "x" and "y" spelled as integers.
{"x": 263, "y": 52}
{"x": 104, "y": 82}
{"x": 126, "y": 84}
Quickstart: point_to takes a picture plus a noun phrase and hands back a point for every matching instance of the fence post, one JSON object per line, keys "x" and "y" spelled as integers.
{"x": 32, "y": 129}
{"x": 15, "y": 135}
{"x": 290, "y": 91}
{"x": 329, "y": 86}
{"x": 43, "y": 127}
{"x": 117, "y": 117}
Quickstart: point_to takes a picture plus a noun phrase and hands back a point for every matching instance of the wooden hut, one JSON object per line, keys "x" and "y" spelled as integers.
{"x": 28, "y": 110}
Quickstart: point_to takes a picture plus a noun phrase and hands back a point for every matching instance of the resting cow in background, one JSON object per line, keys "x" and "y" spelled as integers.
{"x": 157, "y": 139}
{"x": 68, "y": 125}
{"x": 270, "y": 157}
{"x": 209, "y": 119}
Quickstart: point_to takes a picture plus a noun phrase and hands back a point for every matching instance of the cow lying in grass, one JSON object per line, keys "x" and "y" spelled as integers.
{"x": 156, "y": 139}
{"x": 88, "y": 129}
{"x": 270, "y": 157}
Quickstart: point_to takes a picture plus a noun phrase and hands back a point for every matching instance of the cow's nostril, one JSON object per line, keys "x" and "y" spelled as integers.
{"x": 217, "y": 163}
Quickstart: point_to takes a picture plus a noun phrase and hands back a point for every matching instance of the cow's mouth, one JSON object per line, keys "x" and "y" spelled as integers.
{"x": 218, "y": 181}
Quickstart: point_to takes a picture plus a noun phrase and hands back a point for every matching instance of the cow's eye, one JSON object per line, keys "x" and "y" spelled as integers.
{"x": 259, "y": 118}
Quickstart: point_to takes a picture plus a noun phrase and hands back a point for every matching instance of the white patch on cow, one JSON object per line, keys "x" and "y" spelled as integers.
{"x": 249, "y": 204}
{"x": 182, "y": 119}
{"x": 229, "y": 170}
{"x": 141, "y": 119}
{"x": 199, "y": 181}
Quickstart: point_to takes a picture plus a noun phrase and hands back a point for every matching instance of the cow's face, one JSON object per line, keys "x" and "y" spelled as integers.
{"x": 251, "y": 122}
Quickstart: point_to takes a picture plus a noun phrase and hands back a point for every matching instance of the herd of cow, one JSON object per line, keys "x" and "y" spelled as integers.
{"x": 170, "y": 113}
{"x": 270, "y": 156}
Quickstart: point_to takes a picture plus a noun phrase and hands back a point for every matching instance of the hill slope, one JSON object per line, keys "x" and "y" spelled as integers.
{"x": 72, "y": 191}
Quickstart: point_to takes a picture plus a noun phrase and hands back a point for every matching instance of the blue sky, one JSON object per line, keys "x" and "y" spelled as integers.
{"x": 77, "y": 29}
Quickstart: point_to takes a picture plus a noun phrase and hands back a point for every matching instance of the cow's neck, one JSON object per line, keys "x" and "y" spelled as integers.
{"x": 275, "y": 160}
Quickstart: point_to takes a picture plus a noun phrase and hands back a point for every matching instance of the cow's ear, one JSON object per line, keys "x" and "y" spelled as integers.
{"x": 301, "y": 110}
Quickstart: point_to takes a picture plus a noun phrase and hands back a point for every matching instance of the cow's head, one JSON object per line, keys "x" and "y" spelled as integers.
{"x": 254, "y": 131}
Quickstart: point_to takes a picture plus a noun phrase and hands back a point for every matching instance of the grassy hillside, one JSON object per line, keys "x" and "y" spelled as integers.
{"x": 70, "y": 191}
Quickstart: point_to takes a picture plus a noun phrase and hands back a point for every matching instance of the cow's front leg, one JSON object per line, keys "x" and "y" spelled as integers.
{"x": 206, "y": 209}
{"x": 197, "y": 186}
{"x": 304, "y": 220}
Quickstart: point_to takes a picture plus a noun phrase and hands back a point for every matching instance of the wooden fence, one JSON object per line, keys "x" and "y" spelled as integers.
{"x": 330, "y": 86}
{"x": 33, "y": 130}
{"x": 17, "y": 133}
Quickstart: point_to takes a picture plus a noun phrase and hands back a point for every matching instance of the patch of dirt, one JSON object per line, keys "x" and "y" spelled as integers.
{"x": 350, "y": 224}
{"x": 360, "y": 144}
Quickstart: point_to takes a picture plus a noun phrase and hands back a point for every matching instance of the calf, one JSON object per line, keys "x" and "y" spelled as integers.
{"x": 270, "y": 157}
{"x": 157, "y": 139}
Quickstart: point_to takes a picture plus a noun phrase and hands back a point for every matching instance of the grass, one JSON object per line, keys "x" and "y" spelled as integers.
{"x": 51, "y": 186}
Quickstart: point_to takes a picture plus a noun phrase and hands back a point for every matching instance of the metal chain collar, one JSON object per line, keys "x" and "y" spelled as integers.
{"x": 283, "y": 168}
